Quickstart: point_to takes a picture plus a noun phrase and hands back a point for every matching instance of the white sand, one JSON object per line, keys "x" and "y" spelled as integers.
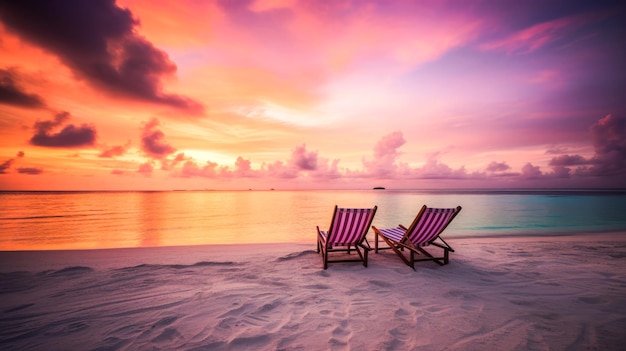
{"x": 564, "y": 293}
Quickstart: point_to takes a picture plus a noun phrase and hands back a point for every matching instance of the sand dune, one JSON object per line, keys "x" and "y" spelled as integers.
{"x": 563, "y": 293}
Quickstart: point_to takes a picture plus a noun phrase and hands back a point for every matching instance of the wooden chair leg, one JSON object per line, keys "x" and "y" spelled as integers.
{"x": 325, "y": 258}
{"x": 365, "y": 258}
{"x": 376, "y": 241}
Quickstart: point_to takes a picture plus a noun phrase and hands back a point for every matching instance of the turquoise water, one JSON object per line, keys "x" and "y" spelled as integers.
{"x": 88, "y": 220}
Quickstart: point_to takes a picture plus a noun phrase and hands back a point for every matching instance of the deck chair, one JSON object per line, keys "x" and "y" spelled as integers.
{"x": 424, "y": 231}
{"x": 348, "y": 229}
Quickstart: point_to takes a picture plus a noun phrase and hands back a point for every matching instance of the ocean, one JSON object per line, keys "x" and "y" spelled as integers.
{"x": 100, "y": 220}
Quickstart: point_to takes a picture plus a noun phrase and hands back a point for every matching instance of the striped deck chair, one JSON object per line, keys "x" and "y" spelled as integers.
{"x": 348, "y": 229}
{"x": 424, "y": 231}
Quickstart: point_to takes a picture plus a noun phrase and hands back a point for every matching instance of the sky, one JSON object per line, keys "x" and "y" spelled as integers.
{"x": 286, "y": 94}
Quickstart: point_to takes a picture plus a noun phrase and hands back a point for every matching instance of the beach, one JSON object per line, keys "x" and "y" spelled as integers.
{"x": 497, "y": 293}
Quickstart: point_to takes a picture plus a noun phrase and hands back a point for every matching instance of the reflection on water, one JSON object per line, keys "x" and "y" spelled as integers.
{"x": 49, "y": 220}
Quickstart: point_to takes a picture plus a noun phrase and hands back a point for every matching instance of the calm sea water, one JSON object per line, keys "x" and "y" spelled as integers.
{"x": 88, "y": 220}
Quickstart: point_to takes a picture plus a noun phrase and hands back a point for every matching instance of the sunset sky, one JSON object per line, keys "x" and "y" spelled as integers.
{"x": 286, "y": 94}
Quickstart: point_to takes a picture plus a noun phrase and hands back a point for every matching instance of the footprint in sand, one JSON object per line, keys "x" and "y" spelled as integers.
{"x": 401, "y": 312}
{"x": 340, "y": 337}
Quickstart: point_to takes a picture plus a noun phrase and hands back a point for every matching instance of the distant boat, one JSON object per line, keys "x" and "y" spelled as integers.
{"x": 379, "y": 188}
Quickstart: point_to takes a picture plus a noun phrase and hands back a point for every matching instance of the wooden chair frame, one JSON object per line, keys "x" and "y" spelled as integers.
{"x": 417, "y": 248}
{"x": 326, "y": 246}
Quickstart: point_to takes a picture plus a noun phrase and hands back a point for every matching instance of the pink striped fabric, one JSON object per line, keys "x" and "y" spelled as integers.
{"x": 350, "y": 225}
{"x": 432, "y": 222}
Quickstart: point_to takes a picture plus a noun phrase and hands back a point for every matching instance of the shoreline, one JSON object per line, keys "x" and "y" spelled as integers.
{"x": 596, "y": 234}
{"x": 32, "y": 260}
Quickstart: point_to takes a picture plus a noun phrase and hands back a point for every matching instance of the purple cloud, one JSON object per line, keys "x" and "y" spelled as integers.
{"x": 152, "y": 141}
{"x": 498, "y": 167}
{"x": 97, "y": 40}
{"x": 569, "y": 160}
{"x": 29, "y": 170}
{"x": 531, "y": 172}
{"x": 609, "y": 142}
{"x": 4, "y": 166}
{"x": 12, "y": 94}
{"x": 70, "y": 136}
{"x": 303, "y": 160}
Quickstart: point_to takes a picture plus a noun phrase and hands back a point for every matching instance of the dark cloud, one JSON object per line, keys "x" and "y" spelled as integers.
{"x": 498, "y": 167}
{"x": 531, "y": 172}
{"x": 96, "y": 39}
{"x": 70, "y": 136}
{"x": 4, "y": 166}
{"x": 569, "y": 160}
{"x": 609, "y": 142}
{"x": 153, "y": 143}
{"x": 12, "y": 94}
{"x": 30, "y": 170}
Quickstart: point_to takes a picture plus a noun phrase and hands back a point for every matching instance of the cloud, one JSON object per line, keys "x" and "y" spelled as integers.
{"x": 243, "y": 168}
{"x": 153, "y": 143}
{"x": 167, "y": 164}
{"x": 555, "y": 149}
{"x": 280, "y": 170}
{"x": 498, "y": 167}
{"x": 531, "y": 172}
{"x": 569, "y": 160}
{"x": 301, "y": 163}
{"x": 70, "y": 136}
{"x": 146, "y": 168}
{"x": 609, "y": 142}
{"x": 12, "y": 94}
{"x": 433, "y": 169}
{"x": 4, "y": 166}
{"x": 535, "y": 37}
{"x": 30, "y": 170}
{"x": 385, "y": 154}
{"x": 114, "y": 151}
{"x": 98, "y": 41}
{"x": 303, "y": 160}
{"x": 308, "y": 162}
{"x": 191, "y": 169}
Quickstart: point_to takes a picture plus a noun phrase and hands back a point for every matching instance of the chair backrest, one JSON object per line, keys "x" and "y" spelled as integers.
{"x": 350, "y": 225}
{"x": 429, "y": 223}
